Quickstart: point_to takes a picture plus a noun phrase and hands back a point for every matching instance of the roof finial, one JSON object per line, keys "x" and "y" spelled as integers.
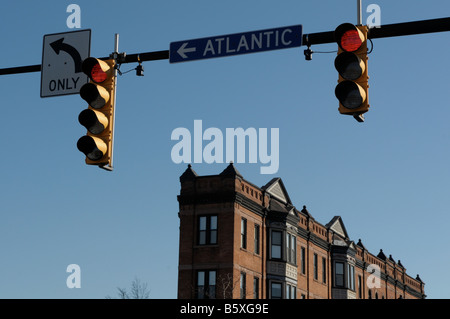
{"x": 231, "y": 170}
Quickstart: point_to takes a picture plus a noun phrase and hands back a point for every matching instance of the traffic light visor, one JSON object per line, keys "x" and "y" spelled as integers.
{"x": 349, "y": 66}
{"x": 94, "y": 121}
{"x": 350, "y": 94}
{"x": 349, "y": 37}
{"x": 97, "y": 70}
{"x": 94, "y": 148}
{"x": 96, "y": 96}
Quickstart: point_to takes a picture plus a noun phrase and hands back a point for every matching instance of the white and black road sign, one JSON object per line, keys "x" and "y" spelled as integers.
{"x": 62, "y": 55}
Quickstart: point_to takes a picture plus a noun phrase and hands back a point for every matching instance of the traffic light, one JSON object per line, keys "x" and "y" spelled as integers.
{"x": 98, "y": 118}
{"x": 351, "y": 64}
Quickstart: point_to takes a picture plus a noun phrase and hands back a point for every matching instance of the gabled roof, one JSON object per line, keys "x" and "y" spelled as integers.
{"x": 337, "y": 225}
{"x": 276, "y": 189}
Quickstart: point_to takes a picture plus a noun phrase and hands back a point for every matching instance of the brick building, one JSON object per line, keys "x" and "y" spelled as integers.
{"x": 238, "y": 240}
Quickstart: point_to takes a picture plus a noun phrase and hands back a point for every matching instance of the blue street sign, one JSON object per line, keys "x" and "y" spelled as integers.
{"x": 235, "y": 44}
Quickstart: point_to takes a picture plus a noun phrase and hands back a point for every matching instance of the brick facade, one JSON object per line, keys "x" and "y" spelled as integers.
{"x": 238, "y": 240}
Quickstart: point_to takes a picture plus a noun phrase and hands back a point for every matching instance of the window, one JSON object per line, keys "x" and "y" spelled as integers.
{"x": 275, "y": 290}
{"x": 291, "y": 292}
{"x": 291, "y": 249}
{"x": 316, "y": 271}
{"x": 243, "y": 233}
{"x": 339, "y": 274}
{"x": 207, "y": 230}
{"x": 288, "y": 247}
{"x": 350, "y": 277}
{"x": 257, "y": 239}
{"x": 303, "y": 255}
{"x": 255, "y": 287}
{"x": 206, "y": 284}
{"x": 243, "y": 285}
{"x": 276, "y": 245}
{"x": 324, "y": 270}
{"x": 359, "y": 287}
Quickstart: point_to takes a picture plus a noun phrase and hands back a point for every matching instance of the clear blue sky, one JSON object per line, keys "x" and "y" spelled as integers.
{"x": 389, "y": 178}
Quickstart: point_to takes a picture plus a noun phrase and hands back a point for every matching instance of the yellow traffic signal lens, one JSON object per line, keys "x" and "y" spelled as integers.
{"x": 93, "y": 147}
{"x": 351, "y": 41}
{"x": 349, "y": 66}
{"x": 350, "y": 94}
{"x": 97, "y": 74}
{"x": 95, "y": 95}
{"x": 94, "y": 121}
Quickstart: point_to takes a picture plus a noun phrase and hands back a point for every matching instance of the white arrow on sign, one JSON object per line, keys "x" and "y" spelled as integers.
{"x": 182, "y": 50}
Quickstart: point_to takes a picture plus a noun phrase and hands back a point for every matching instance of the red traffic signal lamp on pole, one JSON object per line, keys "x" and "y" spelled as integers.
{"x": 98, "y": 118}
{"x": 351, "y": 64}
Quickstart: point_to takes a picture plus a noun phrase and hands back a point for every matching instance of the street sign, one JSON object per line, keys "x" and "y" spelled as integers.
{"x": 62, "y": 55}
{"x": 235, "y": 44}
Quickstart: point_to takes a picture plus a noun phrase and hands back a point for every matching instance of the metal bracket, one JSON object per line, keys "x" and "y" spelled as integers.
{"x": 308, "y": 52}
{"x": 118, "y": 57}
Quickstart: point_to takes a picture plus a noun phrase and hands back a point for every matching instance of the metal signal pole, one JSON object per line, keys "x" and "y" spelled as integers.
{"x": 359, "y": 12}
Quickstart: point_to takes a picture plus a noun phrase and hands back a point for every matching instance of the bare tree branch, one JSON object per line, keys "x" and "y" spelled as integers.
{"x": 139, "y": 290}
